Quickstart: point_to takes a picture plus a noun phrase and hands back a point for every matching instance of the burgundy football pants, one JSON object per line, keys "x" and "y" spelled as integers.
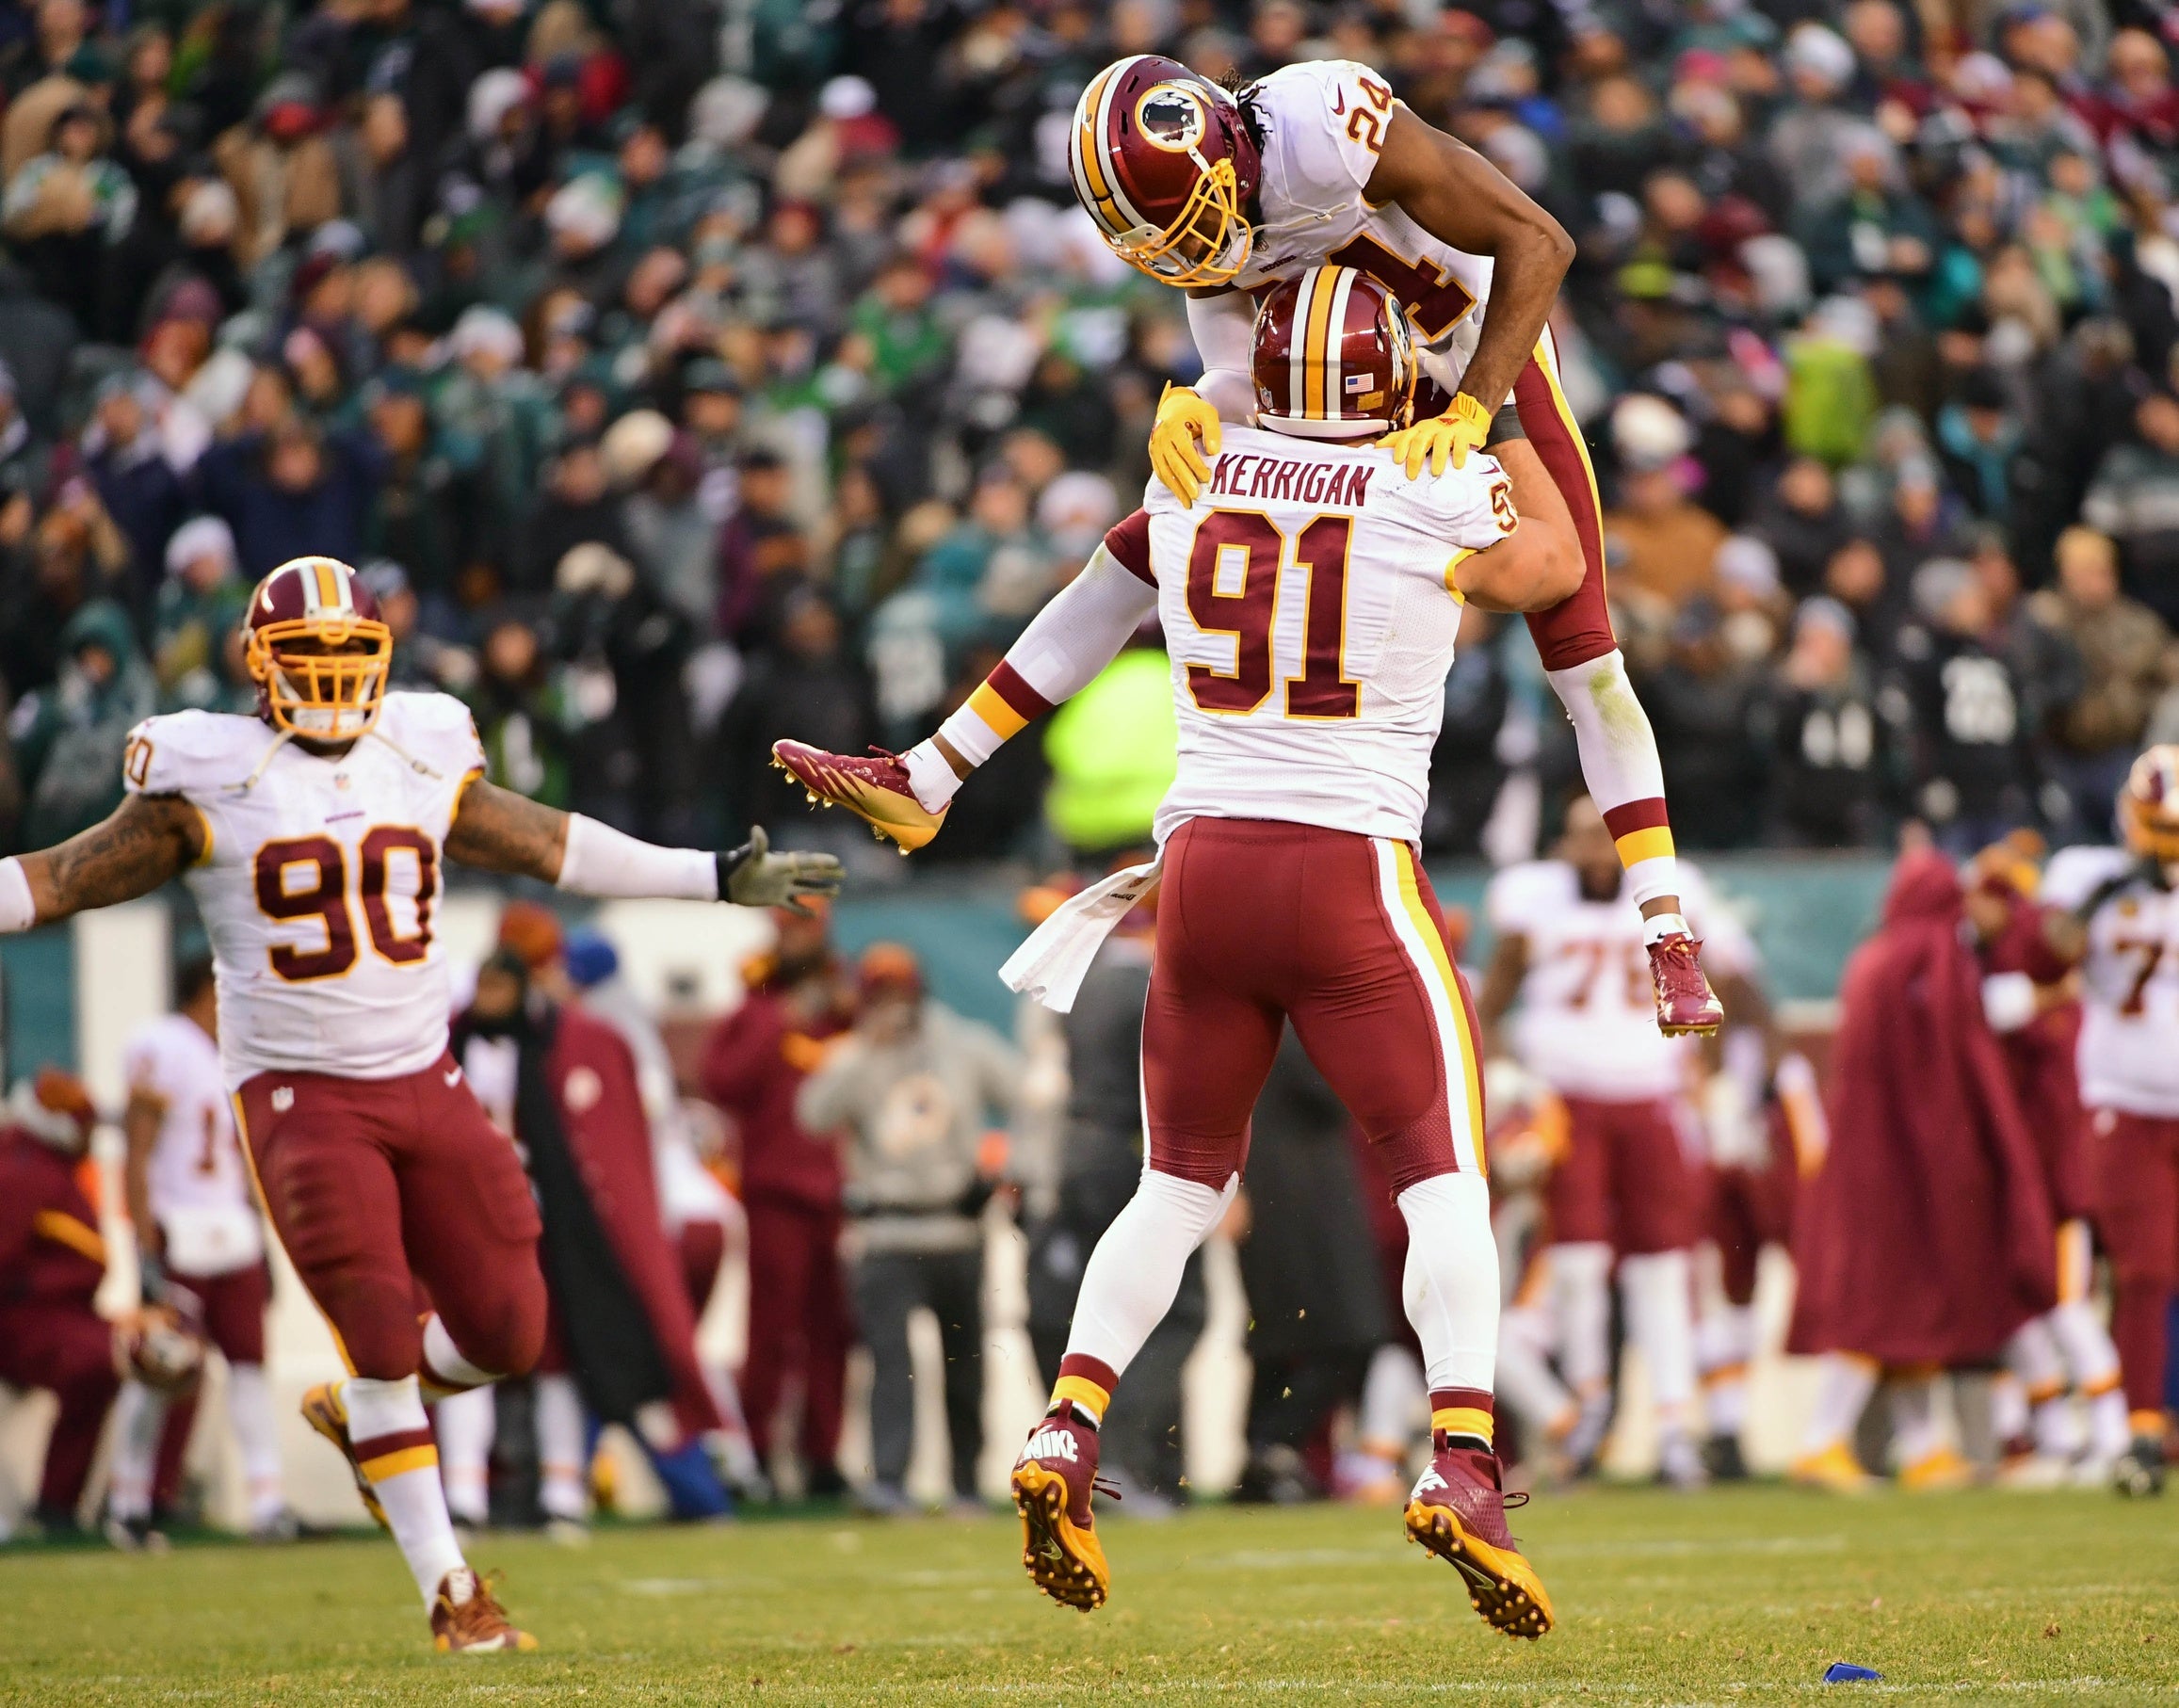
{"x": 68, "y": 1351}
{"x": 1260, "y": 923}
{"x": 2138, "y": 1177}
{"x": 373, "y": 1186}
{"x": 798, "y": 1324}
{"x": 1624, "y": 1180}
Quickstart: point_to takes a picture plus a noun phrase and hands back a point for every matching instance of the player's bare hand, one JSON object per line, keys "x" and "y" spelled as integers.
{"x": 1442, "y": 439}
{"x": 754, "y": 877}
{"x": 1183, "y": 438}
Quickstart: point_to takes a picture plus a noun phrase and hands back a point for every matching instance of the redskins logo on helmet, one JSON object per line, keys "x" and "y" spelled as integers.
{"x": 318, "y": 649}
{"x": 2149, "y": 805}
{"x": 1164, "y": 165}
{"x": 1333, "y": 357}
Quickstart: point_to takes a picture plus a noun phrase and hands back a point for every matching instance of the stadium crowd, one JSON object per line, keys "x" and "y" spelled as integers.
{"x": 685, "y": 380}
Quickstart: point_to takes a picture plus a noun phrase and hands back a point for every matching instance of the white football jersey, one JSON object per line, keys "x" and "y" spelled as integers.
{"x": 319, "y": 887}
{"x": 196, "y": 1161}
{"x": 2129, "y": 1055}
{"x": 1308, "y": 611}
{"x": 1323, "y": 124}
{"x": 1587, "y": 1024}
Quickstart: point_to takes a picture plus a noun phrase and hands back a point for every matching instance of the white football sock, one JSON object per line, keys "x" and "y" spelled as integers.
{"x": 1525, "y": 1378}
{"x": 1654, "y": 1292}
{"x": 1619, "y": 755}
{"x": 415, "y": 1503}
{"x": 465, "y": 1424}
{"x": 1844, "y": 1384}
{"x": 1450, "y": 1284}
{"x": 446, "y": 1371}
{"x": 1580, "y": 1277}
{"x": 2007, "y": 1408}
{"x": 560, "y": 1433}
{"x": 2091, "y": 1358}
{"x": 1396, "y": 1401}
{"x": 1726, "y": 1339}
{"x": 257, "y": 1437}
{"x": 140, "y": 1417}
{"x": 1917, "y": 1430}
{"x": 1134, "y": 1274}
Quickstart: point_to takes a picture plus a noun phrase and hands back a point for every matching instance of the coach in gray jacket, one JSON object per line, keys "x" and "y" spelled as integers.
{"x": 913, "y": 1090}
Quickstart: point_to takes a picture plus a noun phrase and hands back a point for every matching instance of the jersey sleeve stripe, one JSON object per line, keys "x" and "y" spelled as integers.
{"x": 1128, "y": 541}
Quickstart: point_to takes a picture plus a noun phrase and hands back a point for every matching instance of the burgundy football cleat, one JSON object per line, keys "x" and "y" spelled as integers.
{"x": 1457, "y": 1511}
{"x": 1686, "y": 1003}
{"x": 1053, "y": 1481}
{"x": 875, "y": 788}
{"x": 466, "y": 1618}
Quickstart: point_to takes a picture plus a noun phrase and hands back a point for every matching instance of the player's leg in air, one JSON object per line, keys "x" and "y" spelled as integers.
{"x": 362, "y": 1179}
{"x": 1373, "y": 995}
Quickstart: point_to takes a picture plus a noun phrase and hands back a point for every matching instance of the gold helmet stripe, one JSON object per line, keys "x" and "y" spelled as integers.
{"x": 1322, "y": 290}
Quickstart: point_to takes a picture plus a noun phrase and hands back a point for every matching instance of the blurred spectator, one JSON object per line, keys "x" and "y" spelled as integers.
{"x": 1702, "y": 706}
{"x": 1828, "y": 776}
{"x": 197, "y": 621}
{"x": 126, "y": 456}
{"x": 2135, "y": 499}
{"x": 912, "y": 1091}
{"x": 293, "y": 491}
{"x": 65, "y": 207}
{"x": 754, "y": 1062}
{"x": 809, "y": 689}
{"x": 69, "y": 736}
{"x": 1803, "y": 522}
{"x": 2123, "y": 649}
{"x": 1668, "y": 541}
{"x": 520, "y": 713}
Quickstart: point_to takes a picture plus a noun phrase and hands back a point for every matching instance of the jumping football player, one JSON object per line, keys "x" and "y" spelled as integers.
{"x": 312, "y": 836}
{"x": 2117, "y": 916}
{"x": 1222, "y": 195}
{"x": 1310, "y": 608}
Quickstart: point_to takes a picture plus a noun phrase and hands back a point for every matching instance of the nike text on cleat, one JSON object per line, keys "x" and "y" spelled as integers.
{"x": 466, "y": 1618}
{"x": 874, "y": 788}
{"x": 1686, "y": 1003}
{"x": 322, "y": 1410}
{"x": 1457, "y": 1512}
{"x": 1053, "y": 1481}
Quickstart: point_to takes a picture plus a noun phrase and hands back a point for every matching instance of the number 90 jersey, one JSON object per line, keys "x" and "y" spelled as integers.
{"x": 1308, "y": 611}
{"x": 320, "y": 881}
{"x": 1323, "y": 126}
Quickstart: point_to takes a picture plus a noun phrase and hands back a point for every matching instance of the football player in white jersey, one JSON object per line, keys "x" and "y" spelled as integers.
{"x": 312, "y": 837}
{"x": 1567, "y": 964}
{"x": 201, "y": 1252}
{"x": 1222, "y": 195}
{"x": 1310, "y": 609}
{"x": 2117, "y": 914}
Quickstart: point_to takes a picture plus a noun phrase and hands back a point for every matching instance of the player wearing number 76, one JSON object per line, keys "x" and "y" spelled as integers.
{"x": 1310, "y": 602}
{"x": 312, "y": 836}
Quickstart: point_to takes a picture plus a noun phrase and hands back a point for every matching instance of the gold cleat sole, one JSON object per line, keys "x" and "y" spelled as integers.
{"x": 323, "y": 1411}
{"x": 906, "y": 837}
{"x": 1687, "y": 1031}
{"x": 515, "y": 1642}
{"x": 1502, "y": 1587}
{"x": 1065, "y": 1563}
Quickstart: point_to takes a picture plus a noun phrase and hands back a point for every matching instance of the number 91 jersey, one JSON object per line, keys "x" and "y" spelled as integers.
{"x": 1308, "y": 606}
{"x": 318, "y": 882}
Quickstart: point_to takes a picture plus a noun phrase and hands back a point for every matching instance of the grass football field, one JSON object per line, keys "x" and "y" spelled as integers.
{"x": 1734, "y": 1597}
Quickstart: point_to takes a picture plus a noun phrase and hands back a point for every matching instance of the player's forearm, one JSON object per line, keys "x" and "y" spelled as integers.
{"x": 140, "y": 1125}
{"x": 1223, "y": 325}
{"x": 1524, "y": 281}
{"x": 498, "y": 831}
{"x": 145, "y": 840}
{"x": 1061, "y": 652}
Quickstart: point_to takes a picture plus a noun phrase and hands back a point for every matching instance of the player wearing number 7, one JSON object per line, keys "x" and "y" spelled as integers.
{"x": 312, "y": 836}
{"x": 1310, "y": 604}
{"x": 1224, "y": 195}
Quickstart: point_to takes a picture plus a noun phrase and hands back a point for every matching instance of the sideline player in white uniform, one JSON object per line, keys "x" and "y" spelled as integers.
{"x": 2117, "y": 914}
{"x": 1310, "y": 611}
{"x": 1567, "y": 964}
{"x": 1222, "y": 195}
{"x": 200, "y": 1251}
{"x": 312, "y": 836}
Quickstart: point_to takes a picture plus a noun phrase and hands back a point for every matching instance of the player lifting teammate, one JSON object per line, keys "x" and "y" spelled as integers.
{"x": 1310, "y": 608}
{"x": 312, "y": 836}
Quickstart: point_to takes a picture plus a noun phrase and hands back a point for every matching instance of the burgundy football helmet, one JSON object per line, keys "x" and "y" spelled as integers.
{"x": 1333, "y": 357}
{"x": 1165, "y": 168}
{"x": 318, "y": 649}
{"x": 2149, "y": 805}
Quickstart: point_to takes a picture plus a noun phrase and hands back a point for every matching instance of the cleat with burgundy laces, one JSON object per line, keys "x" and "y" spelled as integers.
{"x": 874, "y": 788}
{"x": 1053, "y": 1481}
{"x": 1457, "y": 1511}
{"x": 1686, "y": 1003}
{"x": 466, "y": 1618}
{"x": 324, "y": 1411}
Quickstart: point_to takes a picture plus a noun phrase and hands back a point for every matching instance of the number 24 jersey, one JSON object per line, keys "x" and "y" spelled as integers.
{"x": 320, "y": 881}
{"x": 1308, "y": 606}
